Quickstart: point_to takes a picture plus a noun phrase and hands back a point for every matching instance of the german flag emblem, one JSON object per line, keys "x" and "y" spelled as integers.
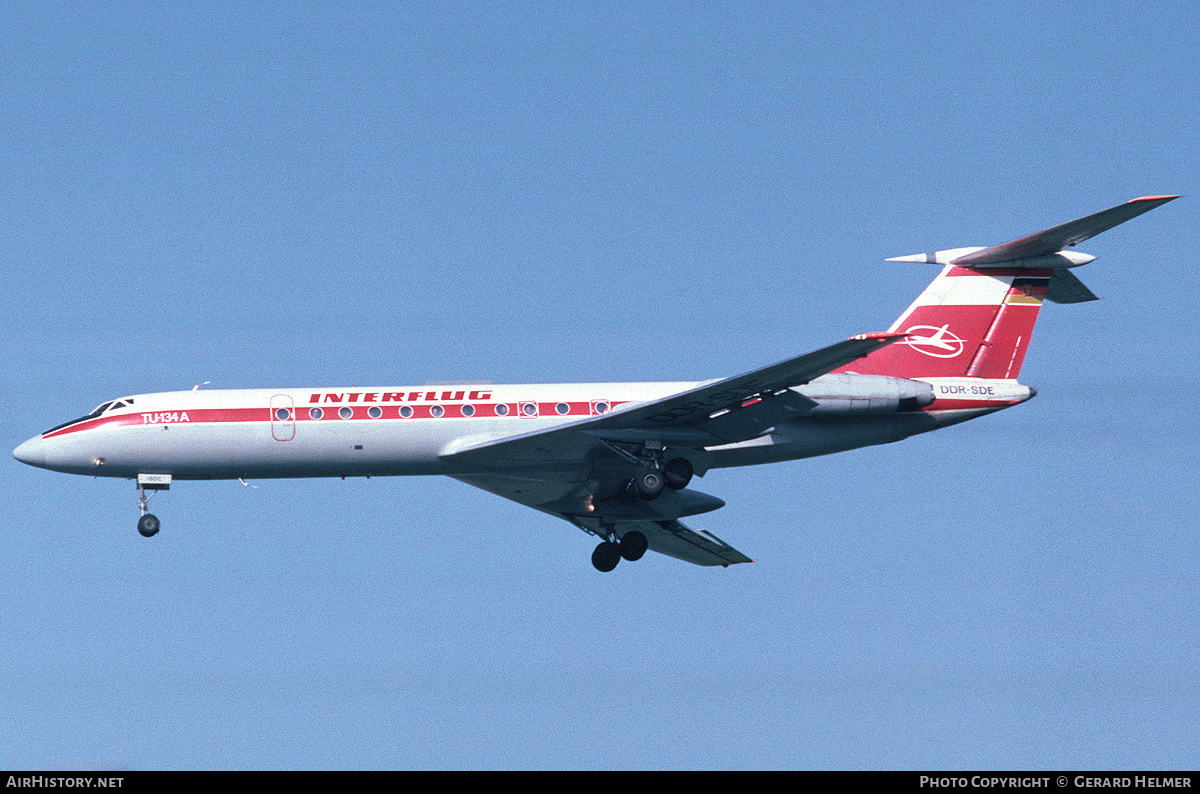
{"x": 1027, "y": 290}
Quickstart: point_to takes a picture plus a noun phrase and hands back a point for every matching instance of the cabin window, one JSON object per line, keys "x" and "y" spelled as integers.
{"x": 468, "y": 410}
{"x": 501, "y": 409}
{"x": 283, "y": 414}
{"x": 315, "y": 413}
{"x": 374, "y": 412}
{"x": 437, "y": 411}
{"x": 406, "y": 411}
{"x": 345, "y": 412}
{"x": 562, "y": 409}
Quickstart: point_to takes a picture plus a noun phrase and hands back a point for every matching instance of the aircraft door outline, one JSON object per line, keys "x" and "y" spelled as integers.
{"x": 283, "y": 418}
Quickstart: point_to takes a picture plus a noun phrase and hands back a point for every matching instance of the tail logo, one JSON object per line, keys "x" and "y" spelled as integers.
{"x": 936, "y": 342}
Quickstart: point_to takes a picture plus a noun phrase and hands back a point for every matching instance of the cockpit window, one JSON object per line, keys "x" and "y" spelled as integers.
{"x": 97, "y": 411}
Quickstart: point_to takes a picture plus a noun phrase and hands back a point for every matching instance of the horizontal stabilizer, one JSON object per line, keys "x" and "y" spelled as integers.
{"x": 1053, "y": 240}
{"x": 1044, "y": 249}
{"x": 955, "y": 256}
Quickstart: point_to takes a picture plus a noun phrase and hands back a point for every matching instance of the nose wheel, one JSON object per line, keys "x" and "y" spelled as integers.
{"x": 148, "y": 525}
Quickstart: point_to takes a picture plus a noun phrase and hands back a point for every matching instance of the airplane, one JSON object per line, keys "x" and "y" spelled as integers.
{"x": 616, "y": 459}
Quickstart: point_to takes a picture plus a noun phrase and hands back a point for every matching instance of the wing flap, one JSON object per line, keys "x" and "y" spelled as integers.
{"x": 757, "y": 416}
{"x": 699, "y": 547}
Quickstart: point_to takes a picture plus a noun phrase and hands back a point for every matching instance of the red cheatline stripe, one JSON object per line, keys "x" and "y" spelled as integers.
{"x": 331, "y": 412}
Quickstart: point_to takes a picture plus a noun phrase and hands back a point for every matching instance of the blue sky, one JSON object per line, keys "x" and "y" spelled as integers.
{"x": 332, "y": 194}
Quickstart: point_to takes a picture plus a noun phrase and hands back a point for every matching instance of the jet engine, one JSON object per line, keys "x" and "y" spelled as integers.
{"x": 850, "y": 393}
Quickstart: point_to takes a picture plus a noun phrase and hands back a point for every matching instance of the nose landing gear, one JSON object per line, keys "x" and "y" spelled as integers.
{"x": 148, "y": 524}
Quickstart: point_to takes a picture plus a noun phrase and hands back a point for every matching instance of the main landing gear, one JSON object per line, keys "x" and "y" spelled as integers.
{"x": 657, "y": 470}
{"x": 631, "y": 546}
{"x": 655, "y": 477}
{"x": 674, "y": 474}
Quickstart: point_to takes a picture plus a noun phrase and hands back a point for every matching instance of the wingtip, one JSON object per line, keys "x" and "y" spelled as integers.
{"x": 1160, "y": 199}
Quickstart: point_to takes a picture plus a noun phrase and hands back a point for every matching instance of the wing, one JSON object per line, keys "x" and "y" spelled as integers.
{"x": 697, "y": 417}
{"x": 664, "y": 535}
{"x": 581, "y": 471}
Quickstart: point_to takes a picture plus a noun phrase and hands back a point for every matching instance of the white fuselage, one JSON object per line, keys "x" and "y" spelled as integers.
{"x": 379, "y": 431}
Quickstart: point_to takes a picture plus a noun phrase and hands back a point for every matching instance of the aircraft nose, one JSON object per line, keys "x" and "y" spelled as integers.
{"x": 32, "y": 452}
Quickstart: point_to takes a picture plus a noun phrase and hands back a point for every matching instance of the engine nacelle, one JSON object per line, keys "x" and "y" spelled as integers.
{"x": 850, "y": 393}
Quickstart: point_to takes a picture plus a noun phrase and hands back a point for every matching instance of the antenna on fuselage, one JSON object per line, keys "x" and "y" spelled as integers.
{"x": 198, "y": 385}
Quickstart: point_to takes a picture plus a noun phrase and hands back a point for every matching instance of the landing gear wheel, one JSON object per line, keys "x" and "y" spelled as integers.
{"x": 633, "y": 545}
{"x": 649, "y": 484}
{"x": 606, "y": 556}
{"x": 148, "y": 525}
{"x": 678, "y": 473}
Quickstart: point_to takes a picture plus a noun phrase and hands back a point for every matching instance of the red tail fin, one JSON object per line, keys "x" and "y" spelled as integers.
{"x": 976, "y": 318}
{"x": 973, "y": 322}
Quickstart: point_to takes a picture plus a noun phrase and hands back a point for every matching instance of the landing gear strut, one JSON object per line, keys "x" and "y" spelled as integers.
{"x": 631, "y": 546}
{"x": 148, "y": 524}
